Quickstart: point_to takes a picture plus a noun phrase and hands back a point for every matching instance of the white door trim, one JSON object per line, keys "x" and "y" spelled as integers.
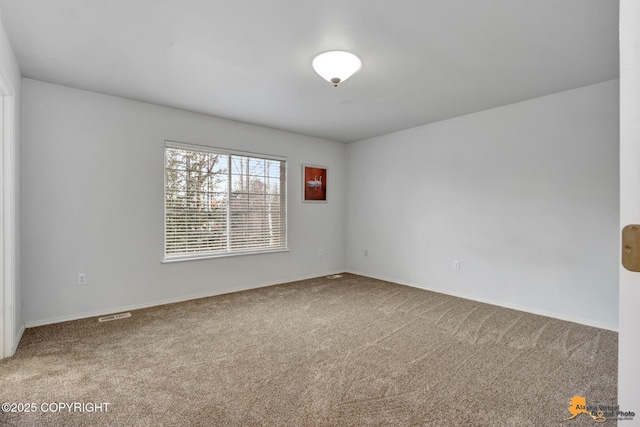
{"x": 7, "y": 97}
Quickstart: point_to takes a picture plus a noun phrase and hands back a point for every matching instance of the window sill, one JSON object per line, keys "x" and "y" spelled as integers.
{"x": 223, "y": 255}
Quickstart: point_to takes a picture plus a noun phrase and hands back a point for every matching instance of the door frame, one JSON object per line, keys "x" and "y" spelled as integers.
{"x": 7, "y": 213}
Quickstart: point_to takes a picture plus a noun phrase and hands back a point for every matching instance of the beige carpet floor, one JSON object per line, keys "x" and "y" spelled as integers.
{"x": 347, "y": 352}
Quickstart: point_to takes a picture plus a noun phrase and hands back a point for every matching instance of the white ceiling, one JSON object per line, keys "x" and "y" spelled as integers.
{"x": 250, "y": 60}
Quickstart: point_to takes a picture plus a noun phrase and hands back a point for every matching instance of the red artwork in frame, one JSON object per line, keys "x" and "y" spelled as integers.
{"x": 314, "y": 183}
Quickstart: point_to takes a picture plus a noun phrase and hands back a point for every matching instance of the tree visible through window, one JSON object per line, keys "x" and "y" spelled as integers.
{"x": 220, "y": 202}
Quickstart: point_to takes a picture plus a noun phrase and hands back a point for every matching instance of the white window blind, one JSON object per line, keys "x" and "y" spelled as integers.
{"x": 219, "y": 202}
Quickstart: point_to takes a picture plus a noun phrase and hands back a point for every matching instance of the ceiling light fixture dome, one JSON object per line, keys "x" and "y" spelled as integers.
{"x": 336, "y": 66}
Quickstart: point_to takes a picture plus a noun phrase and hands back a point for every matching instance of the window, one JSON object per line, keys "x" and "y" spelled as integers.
{"x": 220, "y": 202}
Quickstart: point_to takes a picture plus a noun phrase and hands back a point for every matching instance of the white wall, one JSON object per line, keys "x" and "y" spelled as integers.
{"x": 93, "y": 203}
{"x": 11, "y": 74}
{"x": 629, "y": 336}
{"x": 525, "y": 195}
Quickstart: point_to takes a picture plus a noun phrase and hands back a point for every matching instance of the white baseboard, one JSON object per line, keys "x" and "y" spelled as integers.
{"x": 103, "y": 312}
{"x": 560, "y": 316}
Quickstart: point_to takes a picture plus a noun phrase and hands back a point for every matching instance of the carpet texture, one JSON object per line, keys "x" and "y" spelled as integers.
{"x": 346, "y": 352}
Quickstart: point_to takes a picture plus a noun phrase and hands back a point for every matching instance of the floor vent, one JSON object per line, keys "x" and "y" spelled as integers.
{"x": 114, "y": 317}
{"x": 334, "y": 276}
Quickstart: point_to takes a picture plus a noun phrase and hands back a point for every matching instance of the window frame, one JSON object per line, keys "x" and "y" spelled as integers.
{"x": 169, "y": 258}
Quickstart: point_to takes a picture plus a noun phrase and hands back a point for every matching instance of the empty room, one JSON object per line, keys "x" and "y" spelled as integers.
{"x": 292, "y": 213}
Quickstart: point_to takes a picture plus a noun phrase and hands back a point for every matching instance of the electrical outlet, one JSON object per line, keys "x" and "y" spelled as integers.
{"x": 320, "y": 252}
{"x": 366, "y": 252}
{"x": 82, "y": 279}
{"x": 456, "y": 264}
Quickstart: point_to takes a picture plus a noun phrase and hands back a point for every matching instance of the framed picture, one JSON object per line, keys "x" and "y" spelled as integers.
{"x": 314, "y": 184}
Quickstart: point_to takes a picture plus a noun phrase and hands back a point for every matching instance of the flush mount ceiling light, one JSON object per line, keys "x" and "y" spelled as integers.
{"x": 336, "y": 66}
